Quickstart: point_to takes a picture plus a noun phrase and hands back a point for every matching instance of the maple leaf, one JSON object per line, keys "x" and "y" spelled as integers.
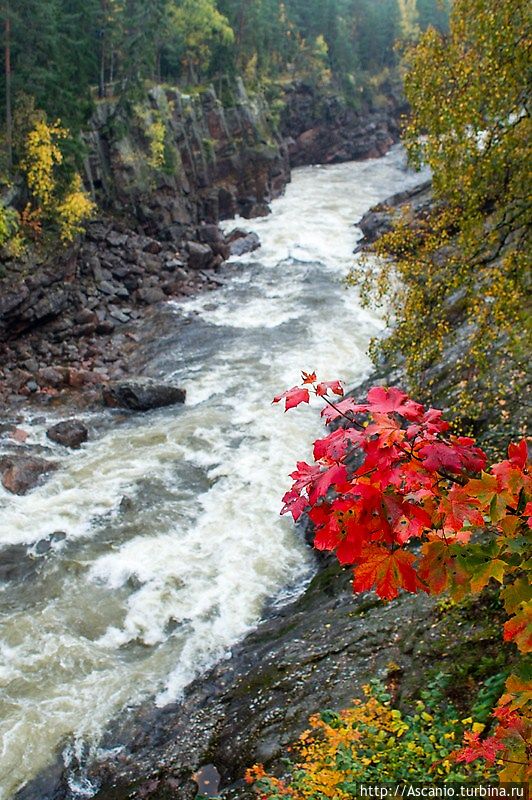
{"x": 495, "y": 568}
{"x": 388, "y": 429}
{"x": 484, "y": 488}
{"x": 518, "y": 453}
{"x": 323, "y": 482}
{"x": 475, "y": 748}
{"x": 459, "y": 507}
{"x": 335, "y": 446}
{"x": 330, "y": 413}
{"x": 438, "y": 456}
{"x": 431, "y": 422}
{"x": 387, "y": 571}
{"x": 293, "y": 397}
{"x": 435, "y": 565}
{"x": 350, "y": 548}
{"x": 509, "y": 477}
{"x": 308, "y": 377}
{"x": 294, "y": 504}
{"x": 508, "y": 719}
{"x": 304, "y": 475}
{"x": 387, "y": 401}
{"x": 328, "y": 537}
{"x": 516, "y": 593}
{"x": 473, "y": 458}
{"x": 335, "y": 387}
{"x": 518, "y": 629}
{"x": 454, "y": 456}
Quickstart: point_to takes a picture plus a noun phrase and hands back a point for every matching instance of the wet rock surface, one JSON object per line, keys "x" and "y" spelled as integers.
{"x": 141, "y": 395}
{"x": 241, "y": 242}
{"x": 70, "y": 433}
{"x": 21, "y": 473}
{"x": 380, "y": 219}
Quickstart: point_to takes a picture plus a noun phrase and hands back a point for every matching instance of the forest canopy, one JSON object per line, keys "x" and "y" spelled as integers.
{"x": 64, "y": 54}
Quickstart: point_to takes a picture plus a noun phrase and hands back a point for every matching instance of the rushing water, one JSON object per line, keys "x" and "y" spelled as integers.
{"x": 174, "y": 541}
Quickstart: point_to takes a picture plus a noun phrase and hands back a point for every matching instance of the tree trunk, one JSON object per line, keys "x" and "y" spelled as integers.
{"x": 9, "y": 115}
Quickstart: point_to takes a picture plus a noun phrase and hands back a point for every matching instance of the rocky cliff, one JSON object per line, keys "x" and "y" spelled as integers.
{"x": 164, "y": 171}
{"x": 323, "y": 127}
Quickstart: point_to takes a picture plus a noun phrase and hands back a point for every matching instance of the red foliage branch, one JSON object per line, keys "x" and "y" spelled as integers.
{"x": 391, "y": 476}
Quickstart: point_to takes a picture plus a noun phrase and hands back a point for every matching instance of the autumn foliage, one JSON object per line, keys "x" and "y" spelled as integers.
{"x": 411, "y": 506}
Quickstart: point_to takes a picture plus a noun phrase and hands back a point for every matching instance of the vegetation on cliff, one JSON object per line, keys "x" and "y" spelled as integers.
{"x": 459, "y": 276}
{"x": 63, "y": 57}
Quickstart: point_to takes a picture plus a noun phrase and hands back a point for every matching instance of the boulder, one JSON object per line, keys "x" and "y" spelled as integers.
{"x": 141, "y": 395}
{"x": 150, "y": 295}
{"x": 52, "y": 376}
{"x": 22, "y": 473}
{"x": 241, "y": 242}
{"x": 199, "y": 255}
{"x": 70, "y": 433}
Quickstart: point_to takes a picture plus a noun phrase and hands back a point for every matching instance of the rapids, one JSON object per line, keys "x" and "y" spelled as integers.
{"x": 174, "y": 542}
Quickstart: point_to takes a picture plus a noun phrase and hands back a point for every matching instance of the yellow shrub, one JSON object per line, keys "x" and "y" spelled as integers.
{"x": 75, "y": 207}
{"x": 42, "y": 154}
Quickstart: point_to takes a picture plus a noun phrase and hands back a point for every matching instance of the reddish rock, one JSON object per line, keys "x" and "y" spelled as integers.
{"x": 22, "y": 473}
{"x": 69, "y": 433}
{"x": 52, "y": 376}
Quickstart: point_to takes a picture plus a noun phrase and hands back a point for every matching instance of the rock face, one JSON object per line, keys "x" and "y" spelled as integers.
{"x": 22, "y": 473}
{"x": 70, "y": 433}
{"x": 321, "y": 128}
{"x": 220, "y": 159}
{"x": 381, "y": 218}
{"x": 140, "y": 395}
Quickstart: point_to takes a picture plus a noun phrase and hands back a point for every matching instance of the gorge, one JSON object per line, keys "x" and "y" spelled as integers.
{"x": 173, "y": 542}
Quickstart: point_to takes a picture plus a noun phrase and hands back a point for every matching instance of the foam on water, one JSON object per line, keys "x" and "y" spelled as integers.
{"x": 145, "y": 593}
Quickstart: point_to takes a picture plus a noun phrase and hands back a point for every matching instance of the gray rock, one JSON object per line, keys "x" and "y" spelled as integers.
{"x": 199, "y": 255}
{"x": 108, "y": 288}
{"x": 70, "y": 433}
{"x": 116, "y": 239}
{"x": 241, "y": 242}
{"x": 120, "y": 316}
{"x": 153, "y": 246}
{"x": 52, "y": 376}
{"x": 150, "y": 295}
{"x": 141, "y": 395}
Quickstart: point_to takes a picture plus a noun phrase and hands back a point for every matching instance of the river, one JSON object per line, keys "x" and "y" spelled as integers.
{"x": 174, "y": 543}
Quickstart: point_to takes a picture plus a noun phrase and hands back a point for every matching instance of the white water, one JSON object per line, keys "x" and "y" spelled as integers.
{"x": 142, "y": 596}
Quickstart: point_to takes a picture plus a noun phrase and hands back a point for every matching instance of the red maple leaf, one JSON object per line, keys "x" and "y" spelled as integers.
{"x": 335, "y": 446}
{"x": 294, "y": 504}
{"x": 440, "y": 455}
{"x": 388, "y": 401}
{"x": 518, "y": 453}
{"x": 475, "y": 748}
{"x": 323, "y": 388}
{"x": 308, "y": 377}
{"x": 473, "y": 458}
{"x": 323, "y": 482}
{"x": 459, "y": 507}
{"x": 293, "y": 397}
{"x": 387, "y": 571}
{"x": 431, "y": 422}
{"x": 330, "y": 413}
